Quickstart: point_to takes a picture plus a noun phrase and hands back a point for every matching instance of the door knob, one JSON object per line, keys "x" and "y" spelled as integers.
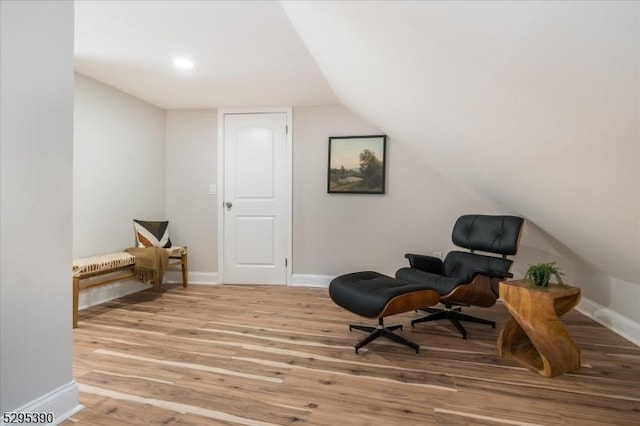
{"x": 229, "y": 205}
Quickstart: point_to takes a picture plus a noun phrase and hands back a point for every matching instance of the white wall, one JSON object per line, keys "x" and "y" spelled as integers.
{"x": 36, "y": 79}
{"x": 118, "y": 174}
{"x": 339, "y": 225}
{"x": 339, "y": 233}
{"x": 191, "y": 166}
{"x": 118, "y": 167}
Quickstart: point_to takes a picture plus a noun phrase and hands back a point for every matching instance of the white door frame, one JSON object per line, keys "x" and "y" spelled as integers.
{"x": 289, "y": 183}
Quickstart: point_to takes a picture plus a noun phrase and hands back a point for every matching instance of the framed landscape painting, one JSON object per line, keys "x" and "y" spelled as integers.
{"x": 357, "y": 164}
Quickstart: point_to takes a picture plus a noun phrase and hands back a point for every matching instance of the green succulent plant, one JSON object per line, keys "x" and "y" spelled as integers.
{"x": 538, "y": 275}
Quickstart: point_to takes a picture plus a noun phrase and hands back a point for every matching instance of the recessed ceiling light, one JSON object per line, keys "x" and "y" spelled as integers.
{"x": 183, "y": 63}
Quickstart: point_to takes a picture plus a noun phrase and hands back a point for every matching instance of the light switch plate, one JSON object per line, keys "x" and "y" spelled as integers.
{"x": 213, "y": 189}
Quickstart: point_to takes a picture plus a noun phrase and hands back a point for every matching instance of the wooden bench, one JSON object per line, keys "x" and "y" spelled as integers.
{"x": 119, "y": 266}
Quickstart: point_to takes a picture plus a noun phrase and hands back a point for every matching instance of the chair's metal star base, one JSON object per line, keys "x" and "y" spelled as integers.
{"x": 454, "y": 315}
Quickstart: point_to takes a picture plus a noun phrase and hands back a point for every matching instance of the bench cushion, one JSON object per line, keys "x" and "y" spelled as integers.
{"x": 107, "y": 262}
{"x": 176, "y": 251}
{"x": 102, "y": 263}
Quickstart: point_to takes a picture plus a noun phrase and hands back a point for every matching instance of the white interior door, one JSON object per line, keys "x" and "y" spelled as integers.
{"x": 256, "y": 200}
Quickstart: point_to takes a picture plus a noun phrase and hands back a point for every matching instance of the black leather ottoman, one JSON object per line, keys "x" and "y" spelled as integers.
{"x": 373, "y": 295}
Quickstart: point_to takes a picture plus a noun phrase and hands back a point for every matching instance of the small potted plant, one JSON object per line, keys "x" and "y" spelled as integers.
{"x": 538, "y": 275}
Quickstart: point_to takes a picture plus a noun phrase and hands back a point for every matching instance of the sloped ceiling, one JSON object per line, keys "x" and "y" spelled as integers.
{"x": 535, "y": 105}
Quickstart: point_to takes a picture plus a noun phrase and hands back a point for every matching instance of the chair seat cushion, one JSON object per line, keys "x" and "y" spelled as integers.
{"x": 367, "y": 293}
{"x": 443, "y": 285}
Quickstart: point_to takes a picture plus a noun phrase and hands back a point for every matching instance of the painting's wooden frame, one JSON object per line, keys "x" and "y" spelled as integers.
{"x": 341, "y": 152}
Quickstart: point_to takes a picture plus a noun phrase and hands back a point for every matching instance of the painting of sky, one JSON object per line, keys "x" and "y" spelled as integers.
{"x": 347, "y": 153}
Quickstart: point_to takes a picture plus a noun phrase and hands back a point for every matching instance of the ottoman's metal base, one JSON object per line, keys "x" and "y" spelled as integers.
{"x": 382, "y": 331}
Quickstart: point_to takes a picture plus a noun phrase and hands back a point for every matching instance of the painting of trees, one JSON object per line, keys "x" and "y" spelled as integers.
{"x": 357, "y": 164}
{"x": 370, "y": 169}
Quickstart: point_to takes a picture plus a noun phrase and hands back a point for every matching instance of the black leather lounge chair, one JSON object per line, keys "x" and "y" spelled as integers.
{"x": 467, "y": 278}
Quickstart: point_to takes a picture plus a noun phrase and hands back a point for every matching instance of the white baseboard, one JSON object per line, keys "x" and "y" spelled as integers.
{"x": 619, "y": 324}
{"x": 309, "y": 280}
{"x": 195, "y": 277}
{"x": 211, "y": 278}
{"x": 104, "y": 293}
{"x": 62, "y": 402}
{"x": 97, "y": 295}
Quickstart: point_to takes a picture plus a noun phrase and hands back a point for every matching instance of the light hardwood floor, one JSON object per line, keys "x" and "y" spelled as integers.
{"x": 263, "y": 355}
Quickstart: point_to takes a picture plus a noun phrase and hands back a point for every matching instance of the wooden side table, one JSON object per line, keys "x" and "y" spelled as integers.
{"x": 534, "y": 336}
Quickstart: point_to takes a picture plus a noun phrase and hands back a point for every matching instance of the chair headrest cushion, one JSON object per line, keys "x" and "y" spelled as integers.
{"x": 493, "y": 234}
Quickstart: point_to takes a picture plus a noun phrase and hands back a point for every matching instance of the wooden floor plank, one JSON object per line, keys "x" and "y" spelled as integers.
{"x": 267, "y": 355}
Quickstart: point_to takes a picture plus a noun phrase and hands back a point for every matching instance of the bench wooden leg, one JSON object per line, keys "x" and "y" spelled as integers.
{"x": 76, "y": 292}
{"x": 185, "y": 270}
